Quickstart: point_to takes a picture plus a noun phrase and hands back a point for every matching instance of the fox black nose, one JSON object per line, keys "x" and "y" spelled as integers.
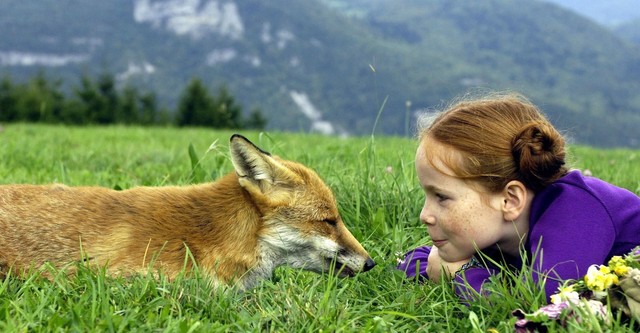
{"x": 368, "y": 265}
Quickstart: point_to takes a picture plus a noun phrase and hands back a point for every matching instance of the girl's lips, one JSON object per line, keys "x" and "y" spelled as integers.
{"x": 438, "y": 242}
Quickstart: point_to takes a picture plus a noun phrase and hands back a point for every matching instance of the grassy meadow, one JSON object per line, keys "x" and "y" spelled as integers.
{"x": 379, "y": 198}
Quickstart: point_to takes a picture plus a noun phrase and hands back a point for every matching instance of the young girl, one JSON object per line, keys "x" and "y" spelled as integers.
{"x": 494, "y": 175}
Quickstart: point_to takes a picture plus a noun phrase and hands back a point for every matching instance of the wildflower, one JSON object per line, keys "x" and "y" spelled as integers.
{"x": 596, "y": 308}
{"x": 600, "y": 278}
{"x": 633, "y": 258}
{"x": 635, "y": 275}
{"x": 533, "y": 322}
{"x": 399, "y": 258}
{"x": 565, "y": 294}
{"x": 618, "y": 283}
{"x": 619, "y": 266}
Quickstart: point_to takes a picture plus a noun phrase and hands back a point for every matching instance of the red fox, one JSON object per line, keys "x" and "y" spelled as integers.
{"x": 237, "y": 230}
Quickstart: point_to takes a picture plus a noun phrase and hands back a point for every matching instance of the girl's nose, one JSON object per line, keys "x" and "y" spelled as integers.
{"x": 425, "y": 215}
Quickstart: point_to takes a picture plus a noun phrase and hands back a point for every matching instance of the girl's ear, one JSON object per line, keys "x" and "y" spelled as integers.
{"x": 515, "y": 200}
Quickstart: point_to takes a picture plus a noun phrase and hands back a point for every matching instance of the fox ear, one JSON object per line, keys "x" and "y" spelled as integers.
{"x": 256, "y": 168}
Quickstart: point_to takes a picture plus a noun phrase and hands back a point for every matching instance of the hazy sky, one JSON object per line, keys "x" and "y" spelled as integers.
{"x": 607, "y": 12}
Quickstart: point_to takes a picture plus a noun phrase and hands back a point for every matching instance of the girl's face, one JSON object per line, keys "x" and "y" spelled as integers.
{"x": 459, "y": 218}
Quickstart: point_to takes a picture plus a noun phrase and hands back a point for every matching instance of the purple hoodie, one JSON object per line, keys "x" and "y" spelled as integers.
{"x": 575, "y": 222}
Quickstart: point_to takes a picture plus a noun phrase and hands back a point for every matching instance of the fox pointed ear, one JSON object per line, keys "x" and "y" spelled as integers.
{"x": 256, "y": 168}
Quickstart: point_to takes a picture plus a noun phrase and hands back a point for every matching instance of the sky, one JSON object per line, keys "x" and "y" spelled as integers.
{"x": 606, "y": 12}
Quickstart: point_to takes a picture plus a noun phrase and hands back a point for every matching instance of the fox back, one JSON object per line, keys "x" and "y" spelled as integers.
{"x": 237, "y": 230}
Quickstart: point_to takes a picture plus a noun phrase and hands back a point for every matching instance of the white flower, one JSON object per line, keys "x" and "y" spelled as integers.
{"x": 566, "y": 294}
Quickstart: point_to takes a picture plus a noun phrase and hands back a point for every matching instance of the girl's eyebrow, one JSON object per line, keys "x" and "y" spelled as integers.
{"x": 433, "y": 188}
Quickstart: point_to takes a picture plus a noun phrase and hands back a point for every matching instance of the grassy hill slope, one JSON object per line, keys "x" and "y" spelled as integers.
{"x": 378, "y": 196}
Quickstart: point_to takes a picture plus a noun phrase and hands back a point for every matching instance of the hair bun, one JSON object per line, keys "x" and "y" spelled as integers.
{"x": 538, "y": 154}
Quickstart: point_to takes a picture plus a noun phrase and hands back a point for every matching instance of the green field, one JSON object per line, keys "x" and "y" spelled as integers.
{"x": 379, "y": 198}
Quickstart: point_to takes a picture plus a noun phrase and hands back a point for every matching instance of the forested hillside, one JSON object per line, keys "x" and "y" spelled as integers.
{"x": 333, "y": 66}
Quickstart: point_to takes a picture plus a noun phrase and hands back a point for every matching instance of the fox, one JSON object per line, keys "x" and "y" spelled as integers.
{"x": 266, "y": 213}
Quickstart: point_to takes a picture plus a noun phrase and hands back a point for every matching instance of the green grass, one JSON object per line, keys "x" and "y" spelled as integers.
{"x": 374, "y": 182}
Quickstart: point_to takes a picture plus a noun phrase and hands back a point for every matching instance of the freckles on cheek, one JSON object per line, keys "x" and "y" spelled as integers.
{"x": 452, "y": 224}
{"x": 459, "y": 223}
{"x": 457, "y": 227}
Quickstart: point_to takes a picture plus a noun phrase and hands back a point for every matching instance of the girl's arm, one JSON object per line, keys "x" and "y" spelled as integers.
{"x": 436, "y": 266}
{"x": 468, "y": 275}
{"x": 417, "y": 263}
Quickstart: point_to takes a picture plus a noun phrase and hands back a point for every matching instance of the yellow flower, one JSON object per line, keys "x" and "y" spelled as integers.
{"x": 619, "y": 266}
{"x": 622, "y": 270}
{"x": 615, "y": 260}
{"x": 599, "y": 278}
{"x": 612, "y": 279}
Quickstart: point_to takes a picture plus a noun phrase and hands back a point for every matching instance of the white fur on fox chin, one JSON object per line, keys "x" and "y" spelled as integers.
{"x": 284, "y": 246}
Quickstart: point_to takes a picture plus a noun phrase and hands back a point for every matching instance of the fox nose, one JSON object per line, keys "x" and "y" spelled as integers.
{"x": 368, "y": 265}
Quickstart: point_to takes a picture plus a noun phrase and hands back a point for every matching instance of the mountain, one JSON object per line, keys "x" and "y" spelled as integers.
{"x": 621, "y": 16}
{"x": 291, "y": 59}
{"x": 570, "y": 66}
{"x": 338, "y": 66}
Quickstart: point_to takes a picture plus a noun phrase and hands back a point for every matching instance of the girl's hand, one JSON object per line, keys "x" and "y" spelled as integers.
{"x": 436, "y": 266}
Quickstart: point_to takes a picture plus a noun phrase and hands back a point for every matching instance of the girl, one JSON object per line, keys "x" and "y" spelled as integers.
{"x": 494, "y": 175}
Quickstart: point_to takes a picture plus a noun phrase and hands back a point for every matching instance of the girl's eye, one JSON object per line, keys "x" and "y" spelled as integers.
{"x": 331, "y": 222}
{"x": 441, "y": 197}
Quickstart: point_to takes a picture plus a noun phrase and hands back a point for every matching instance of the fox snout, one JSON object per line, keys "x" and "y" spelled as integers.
{"x": 368, "y": 265}
{"x": 350, "y": 256}
{"x": 342, "y": 269}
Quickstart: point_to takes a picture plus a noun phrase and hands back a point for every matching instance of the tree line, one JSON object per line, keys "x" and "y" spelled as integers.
{"x": 100, "y": 101}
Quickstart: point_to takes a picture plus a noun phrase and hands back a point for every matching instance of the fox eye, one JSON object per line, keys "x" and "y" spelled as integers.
{"x": 331, "y": 222}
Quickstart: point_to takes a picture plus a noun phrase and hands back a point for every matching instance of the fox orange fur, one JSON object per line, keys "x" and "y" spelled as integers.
{"x": 238, "y": 229}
